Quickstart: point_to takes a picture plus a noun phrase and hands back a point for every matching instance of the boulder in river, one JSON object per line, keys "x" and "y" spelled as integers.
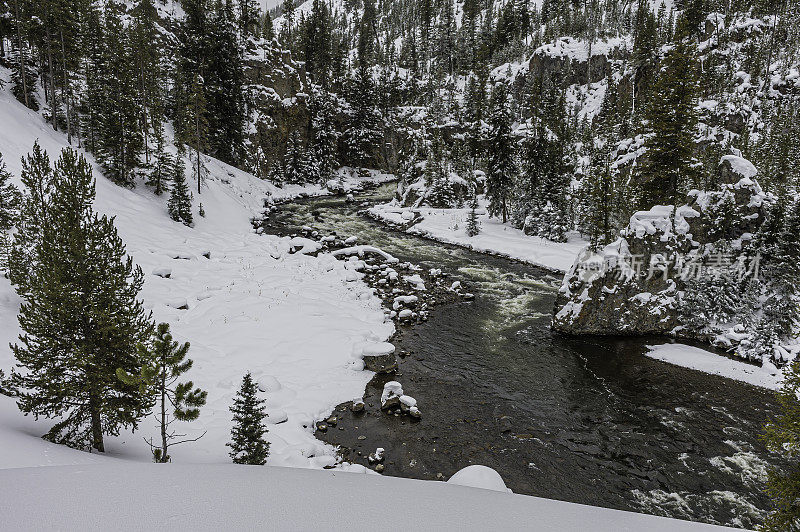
{"x": 390, "y": 399}
{"x": 379, "y": 357}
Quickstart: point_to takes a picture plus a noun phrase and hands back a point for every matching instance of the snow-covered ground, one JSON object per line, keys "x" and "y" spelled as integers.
{"x": 213, "y": 497}
{"x": 449, "y": 225}
{"x": 298, "y": 323}
{"x": 698, "y": 359}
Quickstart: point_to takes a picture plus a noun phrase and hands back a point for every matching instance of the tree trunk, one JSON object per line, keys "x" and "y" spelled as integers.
{"x": 65, "y": 88}
{"x": 97, "y": 426}
{"x": 52, "y": 79}
{"x": 22, "y": 65}
{"x": 164, "y": 446}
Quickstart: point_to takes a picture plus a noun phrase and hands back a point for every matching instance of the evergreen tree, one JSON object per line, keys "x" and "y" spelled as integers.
{"x": 9, "y": 205}
{"x": 367, "y": 36}
{"x": 501, "y": 163}
{"x": 120, "y": 141}
{"x": 23, "y": 72}
{"x": 80, "y": 317}
{"x": 196, "y": 125}
{"x": 223, "y": 86}
{"x": 782, "y": 436}
{"x": 316, "y": 43}
{"x": 296, "y": 166}
{"x": 33, "y": 216}
{"x": 669, "y": 161}
{"x": 163, "y": 162}
{"x": 325, "y": 136}
{"x": 180, "y": 201}
{"x": 164, "y": 361}
{"x": 363, "y": 131}
{"x": 247, "y": 444}
{"x": 473, "y": 224}
{"x": 9, "y": 198}
{"x": 146, "y": 54}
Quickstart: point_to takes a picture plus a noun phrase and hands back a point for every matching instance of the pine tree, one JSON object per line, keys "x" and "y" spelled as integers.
{"x": 325, "y": 136}
{"x": 223, "y": 86}
{"x": 247, "y": 444}
{"x": 473, "y": 225}
{"x": 363, "y": 131}
{"x": 180, "y": 201}
{"x": 146, "y": 47}
{"x": 163, "y": 162}
{"x": 164, "y": 361}
{"x": 23, "y": 73}
{"x": 196, "y": 125}
{"x": 669, "y": 161}
{"x": 296, "y": 166}
{"x": 34, "y": 215}
{"x": 9, "y": 198}
{"x": 9, "y": 205}
{"x": 501, "y": 163}
{"x": 367, "y": 36}
{"x": 120, "y": 141}
{"x": 80, "y": 317}
{"x": 782, "y": 436}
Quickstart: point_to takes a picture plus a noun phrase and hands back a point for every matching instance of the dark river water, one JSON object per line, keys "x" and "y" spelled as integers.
{"x": 587, "y": 420}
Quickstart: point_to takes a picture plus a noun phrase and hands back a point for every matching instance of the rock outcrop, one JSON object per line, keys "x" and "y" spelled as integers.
{"x": 633, "y": 286}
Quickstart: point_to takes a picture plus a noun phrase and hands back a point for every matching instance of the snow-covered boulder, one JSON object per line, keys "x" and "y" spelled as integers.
{"x": 479, "y": 476}
{"x": 392, "y": 392}
{"x": 379, "y": 357}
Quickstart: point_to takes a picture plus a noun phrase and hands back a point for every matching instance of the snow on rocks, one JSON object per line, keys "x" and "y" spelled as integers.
{"x": 363, "y": 250}
{"x": 379, "y": 357}
{"x": 479, "y": 476}
{"x": 165, "y": 273}
{"x": 306, "y": 246}
{"x": 378, "y": 456}
{"x": 394, "y": 401}
{"x": 392, "y": 391}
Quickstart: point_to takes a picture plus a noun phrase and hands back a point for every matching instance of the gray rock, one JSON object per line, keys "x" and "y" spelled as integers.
{"x": 386, "y": 363}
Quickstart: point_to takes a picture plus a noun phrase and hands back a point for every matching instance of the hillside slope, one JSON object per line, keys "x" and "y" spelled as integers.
{"x": 295, "y": 321}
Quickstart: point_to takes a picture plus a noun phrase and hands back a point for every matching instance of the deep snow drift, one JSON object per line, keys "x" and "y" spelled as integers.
{"x": 214, "y": 497}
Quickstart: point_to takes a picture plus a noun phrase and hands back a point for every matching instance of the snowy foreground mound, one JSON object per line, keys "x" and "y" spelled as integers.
{"x": 124, "y": 496}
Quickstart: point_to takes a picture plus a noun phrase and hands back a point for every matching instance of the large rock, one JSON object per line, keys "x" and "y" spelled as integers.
{"x": 634, "y": 285}
{"x": 380, "y": 357}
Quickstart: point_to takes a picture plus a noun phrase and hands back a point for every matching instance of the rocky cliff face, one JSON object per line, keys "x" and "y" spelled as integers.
{"x": 634, "y": 285}
{"x": 279, "y": 92}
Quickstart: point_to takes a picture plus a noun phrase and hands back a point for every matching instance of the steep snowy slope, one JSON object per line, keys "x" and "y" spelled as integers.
{"x": 240, "y": 298}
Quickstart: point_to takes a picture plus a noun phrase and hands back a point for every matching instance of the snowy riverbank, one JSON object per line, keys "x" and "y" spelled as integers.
{"x": 449, "y": 225}
{"x": 299, "y": 323}
{"x": 698, "y": 359}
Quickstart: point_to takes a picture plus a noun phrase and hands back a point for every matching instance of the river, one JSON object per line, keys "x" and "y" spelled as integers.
{"x": 586, "y": 420}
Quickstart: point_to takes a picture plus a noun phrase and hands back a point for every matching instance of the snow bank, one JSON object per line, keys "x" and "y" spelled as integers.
{"x": 479, "y": 476}
{"x": 449, "y": 225}
{"x": 122, "y": 496}
{"x": 701, "y": 360}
